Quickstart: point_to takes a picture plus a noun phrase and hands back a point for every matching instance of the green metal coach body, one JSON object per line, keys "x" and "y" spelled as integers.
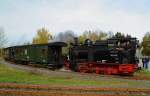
{"x": 49, "y": 54}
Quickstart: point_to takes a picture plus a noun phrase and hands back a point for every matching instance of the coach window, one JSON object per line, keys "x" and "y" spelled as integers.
{"x": 25, "y": 51}
{"x": 44, "y": 50}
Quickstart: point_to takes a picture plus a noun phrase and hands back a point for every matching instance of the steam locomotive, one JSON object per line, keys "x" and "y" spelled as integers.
{"x": 111, "y": 56}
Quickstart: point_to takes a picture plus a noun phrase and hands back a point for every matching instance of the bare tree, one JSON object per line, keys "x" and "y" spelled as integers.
{"x": 110, "y": 34}
{"x": 68, "y": 37}
{"x": 3, "y": 40}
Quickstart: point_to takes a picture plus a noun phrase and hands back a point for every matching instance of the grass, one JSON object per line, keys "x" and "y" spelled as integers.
{"x": 10, "y": 75}
{"x": 143, "y": 72}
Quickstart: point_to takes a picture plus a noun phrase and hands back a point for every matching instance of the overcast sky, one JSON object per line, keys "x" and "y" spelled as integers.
{"x": 21, "y": 18}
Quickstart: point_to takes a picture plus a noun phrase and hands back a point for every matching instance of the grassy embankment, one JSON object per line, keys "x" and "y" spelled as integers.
{"x": 17, "y": 76}
{"x": 143, "y": 72}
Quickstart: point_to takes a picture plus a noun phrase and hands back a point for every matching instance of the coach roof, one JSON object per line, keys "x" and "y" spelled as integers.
{"x": 61, "y": 44}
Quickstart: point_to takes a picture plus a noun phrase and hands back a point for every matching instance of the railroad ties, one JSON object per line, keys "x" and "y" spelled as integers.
{"x": 12, "y": 89}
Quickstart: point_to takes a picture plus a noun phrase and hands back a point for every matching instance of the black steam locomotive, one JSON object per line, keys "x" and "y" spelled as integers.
{"x": 111, "y": 56}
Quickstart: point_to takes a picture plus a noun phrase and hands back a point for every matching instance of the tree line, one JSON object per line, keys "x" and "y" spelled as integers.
{"x": 44, "y": 36}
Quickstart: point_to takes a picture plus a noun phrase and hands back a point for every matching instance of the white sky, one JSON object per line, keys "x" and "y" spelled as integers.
{"x": 21, "y": 18}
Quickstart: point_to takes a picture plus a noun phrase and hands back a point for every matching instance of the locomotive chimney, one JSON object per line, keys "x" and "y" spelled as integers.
{"x": 76, "y": 41}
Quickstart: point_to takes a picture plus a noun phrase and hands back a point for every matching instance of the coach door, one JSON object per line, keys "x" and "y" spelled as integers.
{"x": 55, "y": 55}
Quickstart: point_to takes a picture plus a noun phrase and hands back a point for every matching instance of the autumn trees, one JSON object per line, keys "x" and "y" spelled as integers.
{"x": 145, "y": 45}
{"x": 93, "y": 35}
{"x": 42, "y": 36}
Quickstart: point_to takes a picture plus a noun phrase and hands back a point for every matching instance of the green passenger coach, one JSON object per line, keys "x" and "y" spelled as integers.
{"x": 49, "y": 54}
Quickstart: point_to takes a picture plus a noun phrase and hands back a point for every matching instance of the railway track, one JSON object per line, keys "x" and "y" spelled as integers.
{"x": 12, "y": 89}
